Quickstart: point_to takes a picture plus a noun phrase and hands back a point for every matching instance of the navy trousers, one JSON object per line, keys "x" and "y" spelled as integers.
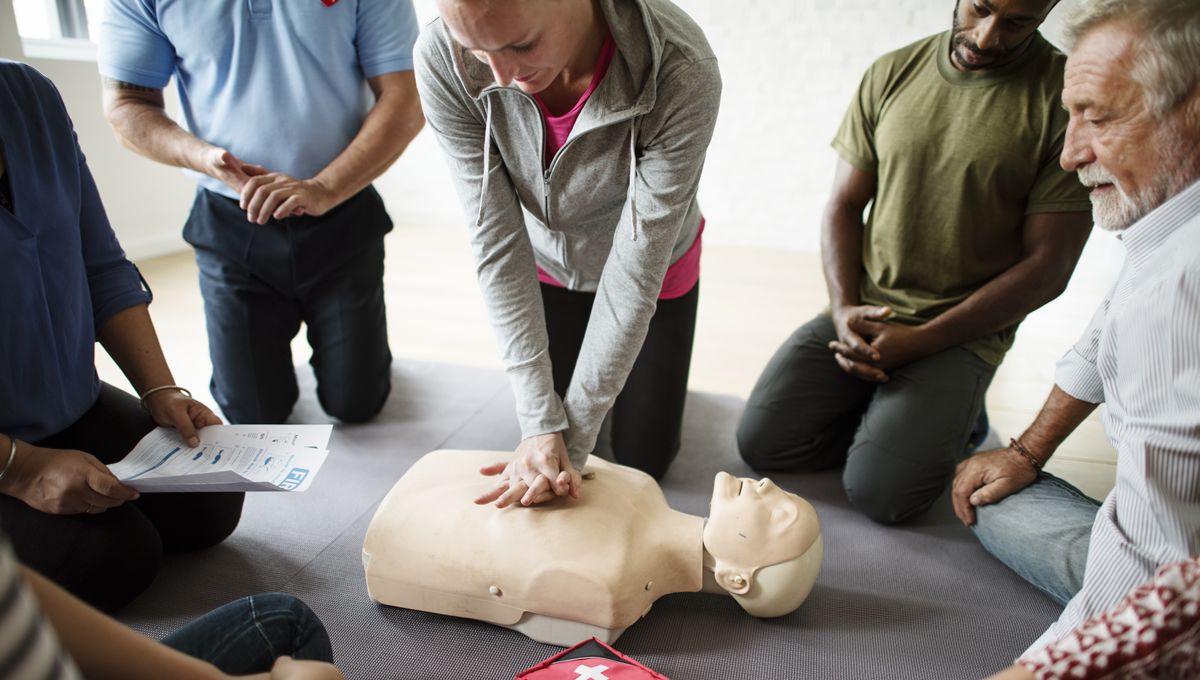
{"x": 260, "y": 282}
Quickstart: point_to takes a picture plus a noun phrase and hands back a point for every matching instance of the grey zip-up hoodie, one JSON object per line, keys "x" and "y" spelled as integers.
{"x": 616, "y": 206}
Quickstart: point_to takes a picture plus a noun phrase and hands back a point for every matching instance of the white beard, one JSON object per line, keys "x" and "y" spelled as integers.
{"x": 1115, "y": 210}
{"x": 1118, "y": 210}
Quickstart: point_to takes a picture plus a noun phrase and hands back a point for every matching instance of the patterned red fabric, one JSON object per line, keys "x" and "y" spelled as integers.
{"x": 1153, "y": 633}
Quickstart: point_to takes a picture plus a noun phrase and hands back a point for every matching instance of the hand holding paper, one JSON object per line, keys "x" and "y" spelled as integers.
{"x": 229, "y": 458}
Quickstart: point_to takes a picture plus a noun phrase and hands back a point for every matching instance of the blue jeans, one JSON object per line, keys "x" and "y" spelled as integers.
{"x": 247, "y": 635}
{"x": 1041, "y": 532}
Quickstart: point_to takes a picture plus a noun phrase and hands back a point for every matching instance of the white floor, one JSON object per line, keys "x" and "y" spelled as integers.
{"x": 750, "y": 300}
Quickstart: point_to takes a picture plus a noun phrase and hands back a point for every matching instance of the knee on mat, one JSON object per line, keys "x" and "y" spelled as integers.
{"x": 112, "y": 567}
{"x": 652, "y": 462}
{"x": 762, "y": 450}
{"x": 754, "y": 445}
{"x": 221, "y": 512}
{"x": 354, "y": 406}
{"x": 651, "y": 452}
{"x": 294, "y": 629}
{"x": 885, "y": 501}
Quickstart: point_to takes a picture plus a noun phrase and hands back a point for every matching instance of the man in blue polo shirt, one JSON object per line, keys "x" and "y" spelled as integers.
{"x": 284, "y": 140}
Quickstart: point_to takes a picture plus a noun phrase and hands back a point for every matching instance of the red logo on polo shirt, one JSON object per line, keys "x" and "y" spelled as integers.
{"x": 329, "y": 3}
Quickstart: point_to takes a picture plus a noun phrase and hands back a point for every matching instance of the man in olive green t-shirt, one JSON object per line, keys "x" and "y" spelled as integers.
{"x": 954, "y": 141}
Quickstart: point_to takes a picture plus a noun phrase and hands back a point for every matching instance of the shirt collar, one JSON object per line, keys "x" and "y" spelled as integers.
{"x": 1147, "y": 234}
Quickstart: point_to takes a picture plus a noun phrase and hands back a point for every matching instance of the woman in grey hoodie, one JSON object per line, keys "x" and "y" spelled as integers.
{"x": 575, "y": 131}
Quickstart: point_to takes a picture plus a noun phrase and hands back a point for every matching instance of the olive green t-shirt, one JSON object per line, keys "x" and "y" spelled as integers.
{"x": 960, "y": 159}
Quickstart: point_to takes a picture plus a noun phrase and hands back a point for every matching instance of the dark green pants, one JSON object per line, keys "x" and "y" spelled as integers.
{"x": 899, "y": 441}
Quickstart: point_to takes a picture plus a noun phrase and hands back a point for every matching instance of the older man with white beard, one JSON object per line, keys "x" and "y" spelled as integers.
{"x": 1132, "y": 88}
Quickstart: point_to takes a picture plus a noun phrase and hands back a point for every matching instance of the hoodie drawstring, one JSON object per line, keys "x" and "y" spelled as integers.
{"x": 487, "y": 161}
{"x": 633, "y": 177}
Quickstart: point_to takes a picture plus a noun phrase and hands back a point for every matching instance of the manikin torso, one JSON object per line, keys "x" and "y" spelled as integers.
{"x": 557, "y": 572}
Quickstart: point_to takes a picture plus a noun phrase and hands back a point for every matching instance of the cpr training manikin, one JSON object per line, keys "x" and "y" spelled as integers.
{"x": 589, "y": 566}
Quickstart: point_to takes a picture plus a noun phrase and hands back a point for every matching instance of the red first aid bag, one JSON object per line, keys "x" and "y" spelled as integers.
{"x": 589, "y": 660}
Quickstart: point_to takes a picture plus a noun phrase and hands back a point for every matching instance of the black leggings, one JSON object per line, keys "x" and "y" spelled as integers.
{"x": 646, "y": 420}
{"x": 107, "y": 559}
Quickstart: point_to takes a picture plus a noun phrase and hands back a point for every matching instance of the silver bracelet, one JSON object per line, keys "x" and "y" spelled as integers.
{"x": 12, "y": 454}
{"x": 160, "y": 388}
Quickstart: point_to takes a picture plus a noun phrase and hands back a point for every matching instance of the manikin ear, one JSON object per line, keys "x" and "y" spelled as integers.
{"x": 733, "y": 580}
{"x": 784, "y": 516}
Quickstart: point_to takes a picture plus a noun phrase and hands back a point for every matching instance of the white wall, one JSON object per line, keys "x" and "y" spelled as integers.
{"x": 789, "y": 68}
{"x": 146, "y": 202}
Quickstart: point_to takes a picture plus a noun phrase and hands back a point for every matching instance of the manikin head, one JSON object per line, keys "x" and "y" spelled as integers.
{"x": 1132, "y": 87}
{"x": 765, "y": 543}
{"x": 992, "y": 33}
{"x": 526, "y": 42}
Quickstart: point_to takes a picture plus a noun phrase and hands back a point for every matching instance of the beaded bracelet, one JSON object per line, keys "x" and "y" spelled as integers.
{"x": 12, "y": 454}
{"x": 1016, "y": 445}
{"x": 142, "y": 399}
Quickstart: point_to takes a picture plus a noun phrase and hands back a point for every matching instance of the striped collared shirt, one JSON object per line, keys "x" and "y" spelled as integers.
{"x": 28, "y": 647}
{"x": 1140, "y": 356}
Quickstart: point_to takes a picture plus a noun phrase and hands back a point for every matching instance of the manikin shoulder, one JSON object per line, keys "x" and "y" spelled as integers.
{"x": 601, "y": 559}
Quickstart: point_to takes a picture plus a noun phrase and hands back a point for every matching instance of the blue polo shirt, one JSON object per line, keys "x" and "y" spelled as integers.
{"x": 62, "y": 273}
{"x": 280, "y": 83}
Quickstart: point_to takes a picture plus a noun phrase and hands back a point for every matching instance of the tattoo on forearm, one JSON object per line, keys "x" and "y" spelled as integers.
{"x": 115, "y": 84}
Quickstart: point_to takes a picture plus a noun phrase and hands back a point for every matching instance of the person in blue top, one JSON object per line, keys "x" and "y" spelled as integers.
{"x": 67, "y": 284}
{"x": 284, "y": 138}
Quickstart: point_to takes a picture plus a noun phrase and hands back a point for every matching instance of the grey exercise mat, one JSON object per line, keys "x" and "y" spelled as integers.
{"x": 917, "y": 601}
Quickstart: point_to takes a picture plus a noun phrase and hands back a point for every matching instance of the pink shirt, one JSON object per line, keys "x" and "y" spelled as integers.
{"x": 683, "y": 274}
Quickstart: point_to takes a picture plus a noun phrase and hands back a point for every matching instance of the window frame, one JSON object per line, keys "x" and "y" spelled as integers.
{"x": 73, "y": 42}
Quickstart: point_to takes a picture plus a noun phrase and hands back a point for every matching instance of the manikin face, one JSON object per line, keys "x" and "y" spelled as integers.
{"x": 526, "y": 42}
{"x": 991, "y": 33}
{"x": 754, "y": 524}
{"x": 1132, "y": 161}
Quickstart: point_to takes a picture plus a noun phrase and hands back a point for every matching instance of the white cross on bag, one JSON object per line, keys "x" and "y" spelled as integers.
{"x": 590, "y": 672}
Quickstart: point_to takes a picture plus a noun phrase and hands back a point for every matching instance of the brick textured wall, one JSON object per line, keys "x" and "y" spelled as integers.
{"x": 790, "y": 68}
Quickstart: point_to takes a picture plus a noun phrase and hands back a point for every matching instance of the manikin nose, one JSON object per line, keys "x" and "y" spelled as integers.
{"x": 759, "y": 488}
